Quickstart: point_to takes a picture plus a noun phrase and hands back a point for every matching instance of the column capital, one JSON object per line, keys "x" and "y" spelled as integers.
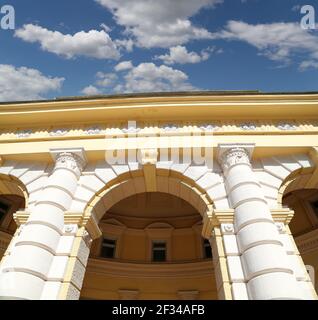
{"x": 230, "y": 154}
{"x": 70, "y": 158}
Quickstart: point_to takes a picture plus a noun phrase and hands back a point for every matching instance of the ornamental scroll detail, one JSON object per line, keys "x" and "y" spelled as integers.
{"x": 234, "y": 156}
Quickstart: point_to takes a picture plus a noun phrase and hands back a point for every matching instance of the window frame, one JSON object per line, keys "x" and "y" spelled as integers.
{"x": 103, "y": 245}
{"x": 153, "y": 249}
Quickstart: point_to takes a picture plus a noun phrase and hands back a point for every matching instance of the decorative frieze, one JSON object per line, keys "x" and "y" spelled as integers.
{"x": 94, "y": 130}
{"x": 170, "y": 128}
{"x": 248, "y": 126}
{"x": 209, "y": 127}
{"x": 177, "y": 128}
{"x": 23, "y": 134}
{"x": 287, "y": 126}
{"x": 59, "y": 132}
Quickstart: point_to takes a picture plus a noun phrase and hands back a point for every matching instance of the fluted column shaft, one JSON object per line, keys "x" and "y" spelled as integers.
{"x": 267, "y": 271}
{"x": 25, "y": 270}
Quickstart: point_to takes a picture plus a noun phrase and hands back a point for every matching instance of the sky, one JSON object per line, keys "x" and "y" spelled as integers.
{"x": 90, "y": 47}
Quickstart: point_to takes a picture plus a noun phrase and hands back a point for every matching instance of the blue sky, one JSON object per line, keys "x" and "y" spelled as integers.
{"x": 87, "y": 47}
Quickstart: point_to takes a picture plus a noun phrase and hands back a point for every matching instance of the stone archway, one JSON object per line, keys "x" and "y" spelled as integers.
{"x": 300, "y": 193}
{"x": 134, "y": 182}
{"x": 13, "y": 197}
{"x": 131, "y": 227}
{"x": 169, "y": 183}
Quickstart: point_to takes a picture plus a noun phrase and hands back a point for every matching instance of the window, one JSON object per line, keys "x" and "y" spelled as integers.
{"x": 207, "y": 249}
{"x": 159, "y": 251}
{"x": 4, "y": 208}
{"x": 314, "y": 205}
{"x": 108, "y": 248}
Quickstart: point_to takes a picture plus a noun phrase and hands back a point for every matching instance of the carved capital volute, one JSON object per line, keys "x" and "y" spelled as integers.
{"x": 71, "y": 159}
{"x": 230, "y": 155}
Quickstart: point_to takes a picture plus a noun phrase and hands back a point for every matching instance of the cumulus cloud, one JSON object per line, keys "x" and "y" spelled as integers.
{"x": 105, "y": 79}
{"x": 124, "y": 65}
{"x": 25, "y": 84}
{"x": 126, "y": 44}
{"x": 277, "y": 41}
{"x": 104, "y": 83}
{"x": 94, "y": 44}
{"x": 147, "y": 77}
{"x": 163, "y": 23}
{"x": 308, "y": 64}
{"x": 90, "y": 91}
{"x": 180, "y": 54}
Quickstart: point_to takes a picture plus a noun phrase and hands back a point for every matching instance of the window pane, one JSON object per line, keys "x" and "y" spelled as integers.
{"x": 159, "y": 255}
{"x": 108, "y": 248}
{"x": 159, "y": 251}
{"x": 207, "y": 249}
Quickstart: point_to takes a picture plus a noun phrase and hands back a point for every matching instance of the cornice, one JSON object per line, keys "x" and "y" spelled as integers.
{"x": 276, "y": 106}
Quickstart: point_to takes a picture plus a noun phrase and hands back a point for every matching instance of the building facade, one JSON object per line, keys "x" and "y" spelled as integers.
{"x": 166, "y": 196}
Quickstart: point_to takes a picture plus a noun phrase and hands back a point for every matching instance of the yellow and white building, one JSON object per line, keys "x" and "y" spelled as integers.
{"x": 120, "y": 197}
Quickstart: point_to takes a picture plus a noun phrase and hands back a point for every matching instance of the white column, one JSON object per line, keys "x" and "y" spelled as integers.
{"x": 25, "y": 270}
{"x": 266, "y": 267}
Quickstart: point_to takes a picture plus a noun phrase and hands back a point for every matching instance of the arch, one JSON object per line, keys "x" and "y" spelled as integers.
{"x": 10, "y": 185}
{"x": 133, "y": 182}
{"x": 159, "y": 225}
{"x": 114, "y": 222}
{"x": 297, "y": 180}
{"x": 29, "y": 176}
{"x": 275, "y": 173}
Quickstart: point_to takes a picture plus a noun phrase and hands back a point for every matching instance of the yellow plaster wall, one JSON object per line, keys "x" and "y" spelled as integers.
{"x": 104, "y": 286}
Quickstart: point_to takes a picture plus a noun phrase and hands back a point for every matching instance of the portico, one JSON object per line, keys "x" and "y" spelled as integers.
{"x": 230, "y": 158}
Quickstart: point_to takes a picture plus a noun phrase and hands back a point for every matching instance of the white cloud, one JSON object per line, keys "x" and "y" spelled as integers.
{"x": 308, "y": 64}
{"x": 94, "y": 44}
{"x": 124, "y": 65}
{"x": 105, "y": 79}
{"x": 25, "y": 84}
{"x": 147, "y": 77}
{"x": 163, "y": 23}
{"x": 277, "y": 41}
{"x": 127, "y": 44}
{"x": 90, "y": 91}
{"x": 180, "y": 54}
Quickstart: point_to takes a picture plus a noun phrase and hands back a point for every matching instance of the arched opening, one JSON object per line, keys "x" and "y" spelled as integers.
{"x": 151, "y": 245}
{"x": 13, "y": 197}
{"x": 301, "y": 195}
